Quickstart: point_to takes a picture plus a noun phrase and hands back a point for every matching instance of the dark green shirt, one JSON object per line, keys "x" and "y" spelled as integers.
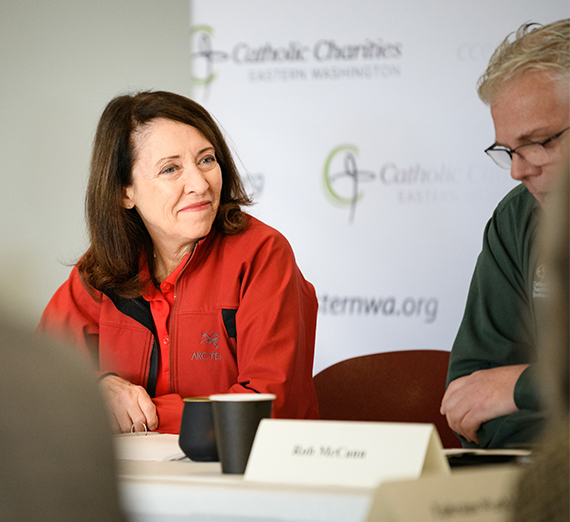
{"x": 499, "y": 327}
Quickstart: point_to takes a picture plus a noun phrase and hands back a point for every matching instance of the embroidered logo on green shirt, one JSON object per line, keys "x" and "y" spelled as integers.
{"x": 539, "y": 286}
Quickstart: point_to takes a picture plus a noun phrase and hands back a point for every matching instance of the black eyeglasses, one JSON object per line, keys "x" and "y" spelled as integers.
{"x": 534, "y": 153}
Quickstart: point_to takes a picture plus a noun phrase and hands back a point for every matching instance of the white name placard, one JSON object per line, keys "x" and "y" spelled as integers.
{"x": 356, "y": 454}
{"x": 470, "y": 495}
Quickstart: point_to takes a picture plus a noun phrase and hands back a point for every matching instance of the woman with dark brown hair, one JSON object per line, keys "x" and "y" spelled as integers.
{"x": 180, "y": 292}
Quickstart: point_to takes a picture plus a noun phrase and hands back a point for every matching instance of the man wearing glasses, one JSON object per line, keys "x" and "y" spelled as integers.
{"x": 491, "y": 400}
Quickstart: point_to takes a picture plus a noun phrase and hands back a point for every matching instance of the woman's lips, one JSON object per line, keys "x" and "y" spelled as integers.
{"x": 196, "y": 207}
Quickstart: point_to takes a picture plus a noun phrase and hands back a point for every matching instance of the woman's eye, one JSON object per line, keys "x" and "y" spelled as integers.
{"x": 208, "y": 159}
{"x": 169, "y": 170}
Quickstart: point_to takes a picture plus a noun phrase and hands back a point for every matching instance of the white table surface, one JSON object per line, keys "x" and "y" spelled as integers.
{"x": 154, "y": 491}
{"x": 155, "y": 487}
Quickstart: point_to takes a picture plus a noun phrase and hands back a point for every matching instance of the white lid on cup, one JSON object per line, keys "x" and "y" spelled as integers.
{"x": 243, "y": 397}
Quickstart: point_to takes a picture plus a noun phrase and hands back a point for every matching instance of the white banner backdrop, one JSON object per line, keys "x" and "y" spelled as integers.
{"x": 357, "y": 126}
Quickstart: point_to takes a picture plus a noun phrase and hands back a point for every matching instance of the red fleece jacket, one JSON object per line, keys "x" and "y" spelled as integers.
{"x": 270, "y": 349}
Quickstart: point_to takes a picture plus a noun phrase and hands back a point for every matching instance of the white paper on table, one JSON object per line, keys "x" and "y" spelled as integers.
{"x": 152, "y": 446}
{"x": 503, "y": 452}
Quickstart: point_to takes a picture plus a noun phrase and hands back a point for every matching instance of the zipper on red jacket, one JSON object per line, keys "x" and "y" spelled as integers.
{"x": 149, "y": 362}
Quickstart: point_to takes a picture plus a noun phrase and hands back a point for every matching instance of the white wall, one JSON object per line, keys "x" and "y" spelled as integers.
{"x": 61, "y": 61}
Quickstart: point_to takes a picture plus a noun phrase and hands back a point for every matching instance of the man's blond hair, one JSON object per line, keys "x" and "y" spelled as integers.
{"x": 534, "y": 48}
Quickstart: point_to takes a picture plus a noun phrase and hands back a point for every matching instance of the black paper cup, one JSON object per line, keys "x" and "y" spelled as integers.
{"x": 197, "y": 437}
{"x": 236, "y": 418}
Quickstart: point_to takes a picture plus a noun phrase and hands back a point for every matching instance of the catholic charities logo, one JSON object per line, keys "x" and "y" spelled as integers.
{"x": 321, "y": 59}
{"x": 343, "y": 179}
{"x": 204, "y": 56}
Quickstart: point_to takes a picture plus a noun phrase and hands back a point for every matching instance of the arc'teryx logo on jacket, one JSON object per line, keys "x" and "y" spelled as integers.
{"x": 208, "y": 356}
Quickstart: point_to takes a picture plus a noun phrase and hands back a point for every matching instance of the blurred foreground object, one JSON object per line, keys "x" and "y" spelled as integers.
{"x": 545, "y": 488}
{"x": 56, "y": 452}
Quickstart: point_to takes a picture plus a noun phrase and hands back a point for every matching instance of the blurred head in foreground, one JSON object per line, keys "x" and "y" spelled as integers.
{"x": 544, "y": 488}
{"x": 56, "y": 454}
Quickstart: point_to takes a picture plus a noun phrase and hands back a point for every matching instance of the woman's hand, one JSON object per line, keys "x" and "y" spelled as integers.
{"x": 130, "y": 405}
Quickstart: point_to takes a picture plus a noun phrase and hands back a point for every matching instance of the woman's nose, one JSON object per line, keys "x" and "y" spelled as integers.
{"x": 194, "y": 181}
